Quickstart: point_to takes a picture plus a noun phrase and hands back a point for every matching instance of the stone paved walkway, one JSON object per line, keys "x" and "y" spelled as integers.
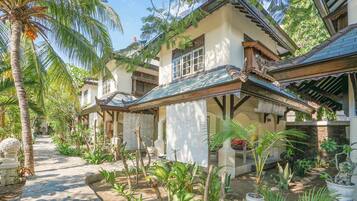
{"x": 60, "y": 177}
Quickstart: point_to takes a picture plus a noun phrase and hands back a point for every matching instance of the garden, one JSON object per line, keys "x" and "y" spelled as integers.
{"x": 295, "y": 177}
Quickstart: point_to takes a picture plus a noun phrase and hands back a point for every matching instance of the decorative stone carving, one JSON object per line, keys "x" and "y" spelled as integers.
{"x": 9, "y": 148}
{"x": 8, "y": 161}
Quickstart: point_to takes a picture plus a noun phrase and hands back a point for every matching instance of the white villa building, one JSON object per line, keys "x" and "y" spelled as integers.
{"x": 104, "y": 104}
{"x": 223, "y": 75}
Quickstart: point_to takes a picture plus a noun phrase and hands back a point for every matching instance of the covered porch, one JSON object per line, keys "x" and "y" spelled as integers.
{"x": 110, "y": 118}
{"x": 191, "y": 110}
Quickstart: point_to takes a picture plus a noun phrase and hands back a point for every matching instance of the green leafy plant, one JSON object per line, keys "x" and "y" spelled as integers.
{"x": 284, "y": 176}
{"x": 128, "y": 195}
{"x": 67, "y": 150}
{"x": 260, "y": 147}
{"x": 97, "y": 156}
{"x": 315, "y": 194}
{"x": 320, "y": 194}
{"x": 177, "y": 178}
{"x": 303, "y": 166}
{"x": 215, "y": 184}
{"x": 270, "y": 195}
{"x": 329, "y": 145}
{"x": 345, "y": 169}
{"x": 109, "y": 176}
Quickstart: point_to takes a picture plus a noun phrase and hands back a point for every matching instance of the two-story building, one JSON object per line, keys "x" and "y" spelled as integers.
{"x": 104, "y": 103}
{"x": 223, "y": 75}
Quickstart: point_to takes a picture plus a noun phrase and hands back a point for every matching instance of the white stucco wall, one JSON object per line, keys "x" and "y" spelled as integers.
{"x": 186, "y": 130}
{"x": 92, "y": 93}
{"x": 130, "y": 123}
{"x": 121, "y": 80}
{"x": 224, "y": 33}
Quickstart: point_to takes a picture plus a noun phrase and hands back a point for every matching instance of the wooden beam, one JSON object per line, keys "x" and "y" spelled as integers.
{"x": 231, "y": 106}
{"x": 100, "y": 114}
{"x": 220, "y": 105}
{"x": 111, "y": 114}
{"x": 228, "y": 88}
{"x": 265, "y": 117}
{"x": 224, "y": 107}
{"x": 264, "y": 94}
{"x": 354, "y": 85}
{"x": 332, "y": 67}
{"x": 262, "y": 48}
{"x": 240, "y": 102}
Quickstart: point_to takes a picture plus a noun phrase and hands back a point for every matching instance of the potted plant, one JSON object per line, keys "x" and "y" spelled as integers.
{"x": 341, "y": 184}
{"x": 260, "y": 147}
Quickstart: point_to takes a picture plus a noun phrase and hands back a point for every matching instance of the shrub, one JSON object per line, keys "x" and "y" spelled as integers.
{"x": 97, "y": 156}
{"x": 67, "y": 150}
{"x": 303, "y": 166}
{"x": 284, "y": 177}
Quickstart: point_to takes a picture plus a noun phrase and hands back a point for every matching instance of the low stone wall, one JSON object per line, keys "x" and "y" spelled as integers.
{"x": 320, "y": 130}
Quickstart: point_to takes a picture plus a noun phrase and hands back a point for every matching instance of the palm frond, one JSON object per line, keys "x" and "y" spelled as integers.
{"x": 32, "y": 61}
{"x": 77, "y": 47}
{"x": 58, "y": 71}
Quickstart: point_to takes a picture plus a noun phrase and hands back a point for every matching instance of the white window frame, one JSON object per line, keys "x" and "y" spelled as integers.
{"x": 106, "y": 86}
{"x": 180, "y": 60}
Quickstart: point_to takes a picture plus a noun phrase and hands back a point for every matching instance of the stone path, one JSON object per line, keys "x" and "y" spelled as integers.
{"x": 60, "y": 177}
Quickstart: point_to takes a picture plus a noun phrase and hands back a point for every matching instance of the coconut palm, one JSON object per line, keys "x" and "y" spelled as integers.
{"x": 75, "y": 28}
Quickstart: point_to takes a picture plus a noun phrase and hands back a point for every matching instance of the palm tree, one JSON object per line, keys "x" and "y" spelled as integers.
{"x": 76, "y": 28}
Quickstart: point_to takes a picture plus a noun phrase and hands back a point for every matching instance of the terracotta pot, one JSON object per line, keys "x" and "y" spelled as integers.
{"x": 343, "y": 192}
{"x": 254, "y": 197}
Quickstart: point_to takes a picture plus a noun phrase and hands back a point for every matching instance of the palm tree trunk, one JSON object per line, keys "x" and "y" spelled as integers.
{"x": 2, "y": 117}
{"x": 16, "y": 29}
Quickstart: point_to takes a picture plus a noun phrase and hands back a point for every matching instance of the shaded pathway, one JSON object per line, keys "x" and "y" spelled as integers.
{"x": 60, "y": 177}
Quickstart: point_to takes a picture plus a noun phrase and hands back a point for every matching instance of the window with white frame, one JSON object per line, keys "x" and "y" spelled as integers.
{"x": 85, "y": 97}
{"x": 106, "y": 86}
{"x": 188, "y": 63}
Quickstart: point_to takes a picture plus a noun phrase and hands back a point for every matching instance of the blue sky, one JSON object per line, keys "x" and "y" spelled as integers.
{"x": 130, "y": 12}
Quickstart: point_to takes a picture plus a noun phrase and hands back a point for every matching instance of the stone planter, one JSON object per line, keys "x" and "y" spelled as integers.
{"x": 254, "y": 197}
{"x": 343, "y": 192}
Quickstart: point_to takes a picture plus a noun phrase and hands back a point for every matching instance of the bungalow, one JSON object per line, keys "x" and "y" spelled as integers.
{"x": 104, "y": 104}
{"x": 223, "y": 75}
{"x": 327, "y": 74}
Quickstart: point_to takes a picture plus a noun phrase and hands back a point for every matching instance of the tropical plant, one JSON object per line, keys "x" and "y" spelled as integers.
{"x": 303, "y": 166}
{"x": 97, "y": 156}
{"x": 284, "y": 176}
{"x": 270, "y": 195}
{"x": 109, "y": 176}
{"x": 67, "y": 150}
{"x": 345, "y": 169}
{"x": 76, "y": 27}
{"x": 215, "y": 184}
{"x": 317, "y": 194}
{"x": 177, "y": 178}
{"x": 260, "y": 147}
{"x": 329, "y": 145}
{"x": 128, "y": 195}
